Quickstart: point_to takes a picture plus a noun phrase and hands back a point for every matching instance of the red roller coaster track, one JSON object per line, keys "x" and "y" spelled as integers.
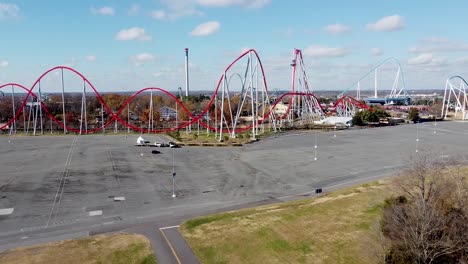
{"x": 194, "y": 119}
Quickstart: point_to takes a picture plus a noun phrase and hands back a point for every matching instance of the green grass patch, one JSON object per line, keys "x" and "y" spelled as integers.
{"x": 204, "y": 138}
{"x": 204, "y": 220}
{"x": 334, "y": 228}
{"x": 114, "y": 248}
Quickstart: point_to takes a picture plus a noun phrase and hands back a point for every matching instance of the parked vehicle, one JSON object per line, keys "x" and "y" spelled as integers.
{"x": 161, "y": 144}
{"x": 141, "y": 141}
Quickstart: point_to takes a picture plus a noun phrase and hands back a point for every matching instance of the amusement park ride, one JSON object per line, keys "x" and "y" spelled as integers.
{"x": 252, "y": 111}
{"x": 455, "y": 98}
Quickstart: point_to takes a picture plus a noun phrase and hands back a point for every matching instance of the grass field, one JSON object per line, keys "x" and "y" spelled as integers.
{"x": 114, "y": 248}
{"x": 334, "y": 228}
{"x": 209, "y": 139}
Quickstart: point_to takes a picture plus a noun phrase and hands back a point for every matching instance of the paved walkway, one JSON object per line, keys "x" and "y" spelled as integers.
{"x": 168, "y": 244}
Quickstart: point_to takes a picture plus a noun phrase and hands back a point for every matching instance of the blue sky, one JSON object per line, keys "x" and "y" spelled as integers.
{"x": 125, "y": 45}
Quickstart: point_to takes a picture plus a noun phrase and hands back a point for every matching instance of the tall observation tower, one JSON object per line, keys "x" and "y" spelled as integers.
{"x": 186, "y": 73}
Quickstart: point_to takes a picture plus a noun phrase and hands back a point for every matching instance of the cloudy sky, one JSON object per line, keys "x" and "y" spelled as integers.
{"x": 124, "y": 45}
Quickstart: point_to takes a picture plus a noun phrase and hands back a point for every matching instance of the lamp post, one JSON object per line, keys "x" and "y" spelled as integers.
{"x": 173, "y": 174}
{"x": 417, "y": 135}
{"x": 315, "y": 147}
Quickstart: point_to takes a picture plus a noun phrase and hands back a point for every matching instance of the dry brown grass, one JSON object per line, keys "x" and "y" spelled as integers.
{"x": 114, "y": 248}
{"x": 335, "y": 228}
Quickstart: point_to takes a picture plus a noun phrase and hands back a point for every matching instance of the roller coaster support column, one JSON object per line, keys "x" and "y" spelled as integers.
{"x": 222, "y": 109}
{"x": 40, "y": 109}
{"x": 64, "y": 119}
{"x": 216, "y": 114}
{"x": 102, "y": 119}
{"x": 13, "y": 106}
{"x": 252, "y": 97}
{"x": 82, "y": 105}
{"x": 150, "y": 116}
{"x": 256, "y": 97}
{"x": 24, "y": 121}
{"x": 36, "y": 112}
{"x": 85, "y": 110}
{"x": 128, "y": 117}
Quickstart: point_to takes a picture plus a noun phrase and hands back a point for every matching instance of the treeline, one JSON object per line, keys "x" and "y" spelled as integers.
{"x": 373, "y": 115}
{"x": 427, "y": 220}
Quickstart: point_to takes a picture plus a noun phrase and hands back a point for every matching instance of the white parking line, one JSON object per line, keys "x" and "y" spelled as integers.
{"x": 95, "y": 213}
{"x": 168, "y": 227}
{"x": 6, "y": 211}
{"x": 119, "y": 199}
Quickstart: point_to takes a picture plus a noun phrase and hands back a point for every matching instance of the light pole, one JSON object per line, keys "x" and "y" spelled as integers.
{"x": 315, "y": 147}
{"x": 173, "y": 174}
{"x": 417, "y": 135}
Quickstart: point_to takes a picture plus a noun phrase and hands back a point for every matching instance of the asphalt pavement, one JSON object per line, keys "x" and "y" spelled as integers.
{"x": 57, "y": 187}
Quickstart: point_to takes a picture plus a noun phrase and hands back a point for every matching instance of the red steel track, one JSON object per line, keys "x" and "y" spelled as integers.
{"x": 194, "y": 119}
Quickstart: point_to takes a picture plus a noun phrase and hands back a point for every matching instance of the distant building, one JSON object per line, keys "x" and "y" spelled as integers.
{"x": 387, "y": 100}
{"x": 280, "y": 108}
{"x": 167, "y": 113}
{"x": 336, "y": 120}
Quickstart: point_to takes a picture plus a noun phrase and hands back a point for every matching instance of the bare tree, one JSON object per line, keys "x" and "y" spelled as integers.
{"x": 428, "y": 221}
{"x": 381, "y": 250}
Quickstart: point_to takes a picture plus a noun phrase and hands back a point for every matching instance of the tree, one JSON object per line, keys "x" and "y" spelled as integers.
{"x": 6, "y": 108}
{"x": 369, "y": 116}
{"x": 146, "y": 115}
{"x": 427, "y": 221}
{"x": 113, "y": 101}
{"x": 413, "y": 114}
{"x": 71, "y": 117}
{"x": 357, "y": 119}
{"x": 364, "y": 117}
{"x": 381, "y": 113}
{"x": 436, "y": 109}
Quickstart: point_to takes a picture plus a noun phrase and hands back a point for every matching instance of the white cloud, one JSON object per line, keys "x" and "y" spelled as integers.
{"x": 142, "y": 58}
{"x": 388, "y": 23}
{"x": 376, "y": 52}
{"x": 424, "y": 58}
{"x": 242, "y": 3}
{"x": 90, "y": 58}
{"x": 9, "y": 11}
{"x": 439, "y": 45}
{"x": 461, "y": 61}
{"x": 134, "y": 33}
{"x": 104, "y": 11}
{"x": 206, "y": 29}
{"x": 157, "y": 74}
{"x": 324, "y": 51}
{"x": 159, "y": 14}
{"x": 336, "y": 29}
{"x": 175, "y": 9}
{"x": 3, "y": 63}
{"x": 134, "y": 10}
